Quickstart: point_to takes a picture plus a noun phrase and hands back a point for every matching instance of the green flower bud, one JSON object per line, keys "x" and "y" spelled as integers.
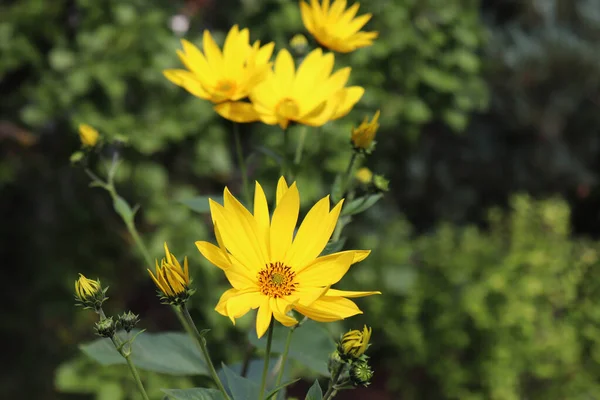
{"x": 106, "y": 327}
{"x": 381, "y": 184}
{"x": 128, "y": 321}
{"x": 335, "y": 362}
{"x": 361, "y": 373}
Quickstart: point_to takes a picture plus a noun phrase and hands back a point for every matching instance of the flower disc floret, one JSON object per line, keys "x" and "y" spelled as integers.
{"x": 275, "y": 270}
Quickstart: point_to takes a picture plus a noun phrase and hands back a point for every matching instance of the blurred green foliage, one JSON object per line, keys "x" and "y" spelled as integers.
{"x": 504, "y": 311}
{"x": 509, "y": 312}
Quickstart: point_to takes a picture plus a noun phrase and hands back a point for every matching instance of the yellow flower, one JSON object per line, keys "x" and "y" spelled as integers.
{"x": 88, "y": 135}
{"x": 310, "y": 96}
{"x": 355, "y": 343}
{"x": 363, "y": 136}
{"x": 222, "y": 76}
{"x": 364, "y": 175}
{"x": 172, "y": 281}
{"x": 275, "y": 271}
{"x": 336, "y": 28}
{"x": 87, "y": 289}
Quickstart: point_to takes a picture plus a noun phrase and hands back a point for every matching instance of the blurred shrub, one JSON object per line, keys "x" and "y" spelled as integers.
{"x": 505, "y": 313}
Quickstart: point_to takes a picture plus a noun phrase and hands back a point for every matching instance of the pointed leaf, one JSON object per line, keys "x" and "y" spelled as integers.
{"x": 315, "y": 392}
{"x": 361, "y": 204}
{"x": 167, "y": 352}
{"x": 334, "y": 247}
{"x": 240, "y": 388}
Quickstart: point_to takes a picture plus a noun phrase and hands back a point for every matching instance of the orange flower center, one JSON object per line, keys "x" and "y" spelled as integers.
{"x": 225, "y": 89}
{"x": 288, "y": 109}
{"x": 276, "y": 280}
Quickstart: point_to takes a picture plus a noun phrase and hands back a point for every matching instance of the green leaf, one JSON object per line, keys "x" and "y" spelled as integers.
{"x": 278, "y": 388}
{"x": 193, "y": 394}
{"x": 311, "y": 345}
{"x": 315, "y": 392}
{"x": 122, "y": 208}
{"x": 240, "y": 388}
{"x": 200, "y": 204}
{"x": 167, "y": 352}
{"x": 361, "y": 204}
{"x": 334, "y": 247}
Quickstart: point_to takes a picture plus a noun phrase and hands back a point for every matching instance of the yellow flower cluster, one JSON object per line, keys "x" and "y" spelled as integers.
{"x": 246, "y": 87}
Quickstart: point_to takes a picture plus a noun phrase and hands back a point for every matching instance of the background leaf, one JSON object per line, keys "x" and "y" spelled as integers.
{"x": 193, "y": 394}
{"x": 169, "y": 352}
{"x": 240, "y": 388}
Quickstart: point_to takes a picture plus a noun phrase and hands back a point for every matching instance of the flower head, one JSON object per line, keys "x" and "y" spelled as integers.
{"x": 171, "y": 280}
{"x": 88, "y": 135}
{"x": 89, "y": 293}
{"x": 363, "y": 135}
{"x": 275, "y": 271}
{"x": 127, "y": 321}
{"x": 106, "y": 327}
{"x": 335, "y": 27}
{"x": 222, "y": 76}
{"x": 354, "y": 343}
{"x": 311, "y": 95}
{"x": 361, "y": 373}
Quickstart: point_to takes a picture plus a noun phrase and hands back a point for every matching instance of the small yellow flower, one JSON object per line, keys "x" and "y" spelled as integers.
{"x": 274, "y": 270}
{"x": 223, "y": 76}
{"x": 355, "y": 343}
{"x": 88, "y": 135}
{"x": 310, "y": 95}
{"x": 172, "y": 281}
{"x": 364, "y": 175}
{"x": 86, "y": 289}
{"x": 363, "y": 135}
{"x": 335, "y": 27}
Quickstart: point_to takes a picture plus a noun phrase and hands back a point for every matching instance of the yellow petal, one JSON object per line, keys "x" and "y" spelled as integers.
{"x": 306, "y": 296}
{"x": 350, "y": 97}
{"x": 282, "y": 187}
{"x": 313, "y": 234}
{"x": 195, "y": 61}
{"x": 325, "y": 271}
{"x": 242, "y": 246}
{"x": 285, "y": 70}
{"x": 237, "y": 111}
{"x": 263, "y": 317}
{"x": 307, "y": 18}
{"x": 346, "y": 293}
{"x": 280, "y": 307}
{"x": 213, "y": 53}
{"x": 221, "y": 305}
{"x": 261, "y": 214}
{"x": 283, "y": 223}
{"x": 238, "y": 306}
{"x": 328, "y": 309}
{"x": 213, "y": 254}
{"x": 239, "y": 276}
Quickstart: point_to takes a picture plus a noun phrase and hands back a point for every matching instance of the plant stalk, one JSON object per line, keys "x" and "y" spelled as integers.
{"x": 263, "y": 383}
{"x": 202, "y": 345}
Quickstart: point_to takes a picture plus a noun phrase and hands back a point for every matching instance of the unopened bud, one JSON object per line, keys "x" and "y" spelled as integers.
{"x": 361, "y": 373}
{"x": 128, "y": 321}
{"x": 106, "y": 327}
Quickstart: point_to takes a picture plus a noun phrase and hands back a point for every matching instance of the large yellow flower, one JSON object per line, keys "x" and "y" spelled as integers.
{"x": 336, "y": 28}
{"x": 224, "y": 76}
{"x": 310, "y": 96}
{"x": 275, "y": 271}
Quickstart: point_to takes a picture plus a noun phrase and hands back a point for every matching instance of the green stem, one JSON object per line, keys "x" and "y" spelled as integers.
{"x": 348, "y": 174}
{"x": 300, "y": 146}
{"x": 136, "y": 376}
{"x": 241, "y": 163}
{"x": 263, "y": 382}
{"x": 332, "y": 390}
{"x": 202, "y": 345}
{"x": 139, "y": 243}
{"x": 284, "y": 356}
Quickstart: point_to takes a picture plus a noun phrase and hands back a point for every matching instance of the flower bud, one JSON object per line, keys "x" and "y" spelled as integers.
{"x": 171, "y": 280}
{"x": 381, "y": 184}
{"x": 299, "y": 44}
{"x": 363, "y": 136}
{"x": 361, "y": 373}
{"x": 364, "y": 175}
{"x": 88, "y": 135}
{"x": 106, "y": 327}
{"x": 89, "y": 293}
{"x": 128, "y": 321}
{"x": 354, "y": 343}
{"x": 335, "y": 362}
